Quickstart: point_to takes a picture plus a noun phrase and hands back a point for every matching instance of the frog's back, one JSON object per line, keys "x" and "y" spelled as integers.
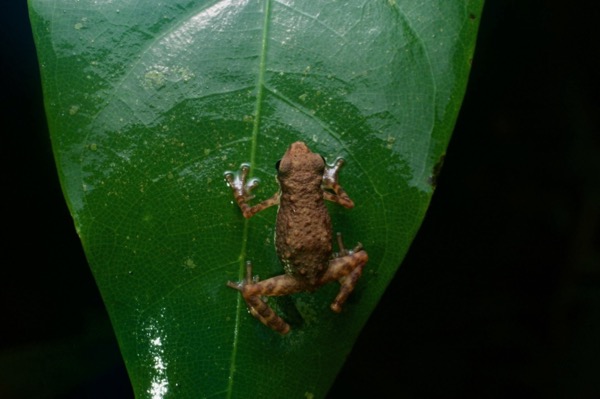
{"x": 303, "y": 231}
{"x": 303, "y": 234}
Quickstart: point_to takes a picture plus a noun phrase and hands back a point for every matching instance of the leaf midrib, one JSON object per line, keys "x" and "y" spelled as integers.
{"x": 260, "y": 85}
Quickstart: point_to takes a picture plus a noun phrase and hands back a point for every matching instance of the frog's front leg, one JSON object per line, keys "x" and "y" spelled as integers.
{"x": 330, "y": 181}
{"x": 276, "y": 286}
{"x": 346, "y": 269}
{"x": 242, "y": 191}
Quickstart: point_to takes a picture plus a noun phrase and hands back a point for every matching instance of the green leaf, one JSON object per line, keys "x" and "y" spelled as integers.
{"x": 150, "y": 102}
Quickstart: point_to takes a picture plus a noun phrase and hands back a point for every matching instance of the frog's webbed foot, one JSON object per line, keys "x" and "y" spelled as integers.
{"x": 242, "y": 188}
{"x": 347, "y": 268}
{"x": 253, "y": 290}
{"x": 331, "y": 182}
{"x": 239, "y": 183}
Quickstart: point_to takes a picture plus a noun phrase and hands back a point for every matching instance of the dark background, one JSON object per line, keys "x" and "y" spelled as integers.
{"x": 499, "y": 296}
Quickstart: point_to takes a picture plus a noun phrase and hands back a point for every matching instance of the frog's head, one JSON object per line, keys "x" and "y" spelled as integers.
{"x": 300, "y": 160}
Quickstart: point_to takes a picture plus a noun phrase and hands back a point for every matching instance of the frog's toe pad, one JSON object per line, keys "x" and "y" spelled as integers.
{"x": 336, "y": 307}
{"x": 235, "y": 286}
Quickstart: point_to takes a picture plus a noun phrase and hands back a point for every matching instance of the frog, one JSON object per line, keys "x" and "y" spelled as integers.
{"x": 303, "y": 233}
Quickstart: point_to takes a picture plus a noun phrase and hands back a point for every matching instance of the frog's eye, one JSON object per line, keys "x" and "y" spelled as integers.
{"x": 277, "y": 164}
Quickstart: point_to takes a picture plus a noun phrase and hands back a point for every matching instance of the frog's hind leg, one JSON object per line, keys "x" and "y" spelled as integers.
{"x": 275, "y": 286}
{"x": 346, "y": 269}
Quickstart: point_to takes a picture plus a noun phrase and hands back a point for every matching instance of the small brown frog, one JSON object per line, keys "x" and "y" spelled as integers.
{"x": 302, "y": 233}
